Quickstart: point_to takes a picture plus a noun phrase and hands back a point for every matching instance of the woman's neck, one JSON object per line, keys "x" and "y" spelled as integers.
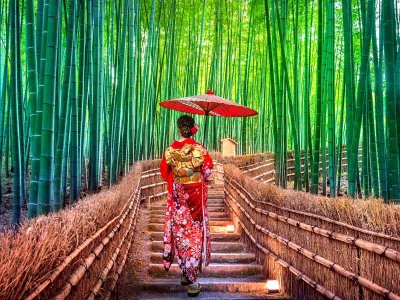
{"x": 181, "y": 139}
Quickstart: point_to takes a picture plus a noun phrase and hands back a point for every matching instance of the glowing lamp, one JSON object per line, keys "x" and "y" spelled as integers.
{"x": 272, "y": 286}
{"x": 230, "y": 228}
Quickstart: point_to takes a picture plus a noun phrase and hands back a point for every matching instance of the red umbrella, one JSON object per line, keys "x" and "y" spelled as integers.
{"x": 209, "y": 105}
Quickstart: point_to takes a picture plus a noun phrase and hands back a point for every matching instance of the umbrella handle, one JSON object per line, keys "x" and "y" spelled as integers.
{"x": 205, "y": 128}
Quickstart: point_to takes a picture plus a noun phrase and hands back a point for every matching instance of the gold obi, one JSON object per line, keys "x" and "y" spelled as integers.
{"x": 187, "y": 176}
{"x": 186, "y": 163}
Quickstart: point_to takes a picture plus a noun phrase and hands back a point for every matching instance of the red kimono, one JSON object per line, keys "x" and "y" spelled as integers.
{"x": 186, "y": 166}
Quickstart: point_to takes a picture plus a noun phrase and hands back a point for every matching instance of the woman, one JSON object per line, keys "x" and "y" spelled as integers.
{"x": 186, "y": 166}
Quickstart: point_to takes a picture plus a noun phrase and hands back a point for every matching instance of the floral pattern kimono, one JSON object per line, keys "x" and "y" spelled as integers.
{"x": 186, "y": 166}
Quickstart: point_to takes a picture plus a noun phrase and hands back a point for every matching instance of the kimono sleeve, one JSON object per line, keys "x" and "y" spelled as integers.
{"x": 164, "y": 169}
{"x": 207, "y": 167}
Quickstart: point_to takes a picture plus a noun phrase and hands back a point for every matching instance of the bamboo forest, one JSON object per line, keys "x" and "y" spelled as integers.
{"x": 232, "y": 149}
{"x": 81, "y": 81}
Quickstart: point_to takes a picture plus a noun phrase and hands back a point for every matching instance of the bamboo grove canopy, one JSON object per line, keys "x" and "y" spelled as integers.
{"x": 81, "y": 81}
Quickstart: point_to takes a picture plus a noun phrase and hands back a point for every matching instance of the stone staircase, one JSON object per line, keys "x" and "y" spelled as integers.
{"x": 232, "y": 274}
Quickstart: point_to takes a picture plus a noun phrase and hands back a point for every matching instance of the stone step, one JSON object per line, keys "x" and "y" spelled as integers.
{"x": 206, "y": 295}
{"x": 219, "y": 204}
{"x": 234, "y": 285}
{"x": 218, "y": 222}
{"x": 218, "y": 229}
{"x": 226, "y": 247}
{"x": 233, "y": 258}
{"x": 160, "y": 219}
{"x": 215, "y": 198}
{"x": 216, "y": 209}
{"x": 216, "y": 237}
{"x": 216, "y": 202}
{"x": 222, "y": 223}
{"x": 212, "y": 270}
{"x": 213, "y": 229}
{"x": 213, "y": 202}
{"x": 216, "y": 214}
{"x": 155, "y": 227}
{"x": 211, "y": 214}
{"x": 160, "y": 210}
{"x": 220, "y": 190}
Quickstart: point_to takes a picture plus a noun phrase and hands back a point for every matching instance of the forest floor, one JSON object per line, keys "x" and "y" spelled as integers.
{"x": 136, "y": 268}
{"x": 6, "y": 204}
{"x": 7, "y": 201}
{"x": 343, "y": 187}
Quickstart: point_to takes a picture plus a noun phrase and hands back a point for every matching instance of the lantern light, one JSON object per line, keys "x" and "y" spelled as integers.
{"x": 272, "y": 286}
{"x": 230, "y": 228}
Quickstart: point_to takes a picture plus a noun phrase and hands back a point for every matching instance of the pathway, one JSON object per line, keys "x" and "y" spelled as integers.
{"x": 232, "y": 274}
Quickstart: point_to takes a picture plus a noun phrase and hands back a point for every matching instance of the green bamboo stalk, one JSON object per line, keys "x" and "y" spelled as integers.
{"x": 330, "y": 39}
{"x": 16, "y": 106}
{"x": 36, "y": 140}
{"x": 292, "y": 114}
{"x": 95, "y": 120}
{"x": 361, "y": 95}
{"x": 32, "y": 63}
{"x": 46, "y": 178}
{"x": 348, "y": 70}
{"x": 3, "y": 103}
{"x": 318, "y": 116}
{"x": 389, "y": 37}
{"x": 306, "y": 101}
{"x": 380, "y": 125}
{"x": 67, "y": 96}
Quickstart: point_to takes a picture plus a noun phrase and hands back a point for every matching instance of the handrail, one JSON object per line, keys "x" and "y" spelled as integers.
{"x": 103, "y": 276}
{"x": 319, "y": 259}
{"x": 325, "y": 219}
{"x": 77, "y": 275}
{"x": 300, "y": 275}
{"x": 54, "y": 275}
{"x": 151, "y": 175}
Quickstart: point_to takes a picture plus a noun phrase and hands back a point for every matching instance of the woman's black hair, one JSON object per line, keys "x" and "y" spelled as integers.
{"x": 185, "y": 124}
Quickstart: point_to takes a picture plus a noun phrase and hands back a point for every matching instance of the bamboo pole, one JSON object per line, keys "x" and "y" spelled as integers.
{"x": 351, "y": 240}
{"x": 71, "y": 257}
{"x": 111, "y": 263}
{"x": 325, "y": 219}
{"x": 300, "y": 275}
{"x": 362, "y": 281}
{"x": 84, "y": 266}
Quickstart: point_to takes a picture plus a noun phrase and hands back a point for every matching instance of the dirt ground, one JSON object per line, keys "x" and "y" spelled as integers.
{"x": 6, "y": 205}
{"x": 136, "y": 268}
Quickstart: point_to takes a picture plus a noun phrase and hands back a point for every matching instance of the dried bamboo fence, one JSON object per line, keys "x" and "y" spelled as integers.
{"x": 314, "y": 256}
{"x": 91, "y": 269}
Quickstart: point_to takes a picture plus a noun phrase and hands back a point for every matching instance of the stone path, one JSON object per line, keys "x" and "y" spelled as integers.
{"x": 232, "y": 274}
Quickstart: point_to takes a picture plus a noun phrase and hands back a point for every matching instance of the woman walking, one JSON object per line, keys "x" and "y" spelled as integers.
{"x": 186, "y": 166}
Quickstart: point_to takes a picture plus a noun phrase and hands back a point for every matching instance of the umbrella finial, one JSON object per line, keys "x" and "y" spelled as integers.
{"x": 210, "y": 92}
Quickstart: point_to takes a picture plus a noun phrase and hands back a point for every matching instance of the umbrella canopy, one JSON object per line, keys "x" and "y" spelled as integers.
{"x": 209, "y": 104}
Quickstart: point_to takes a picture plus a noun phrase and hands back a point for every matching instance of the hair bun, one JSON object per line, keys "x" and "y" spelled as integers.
{"x": 185, "y": 124}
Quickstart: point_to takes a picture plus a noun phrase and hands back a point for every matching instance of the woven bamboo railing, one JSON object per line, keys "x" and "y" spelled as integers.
{"x": 92, "y": 270}
{"x": 334, "y": 259}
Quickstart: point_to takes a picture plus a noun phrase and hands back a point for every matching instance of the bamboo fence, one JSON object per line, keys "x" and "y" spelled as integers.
{"x": 313, "y": 256}
{"x": 92, "y": 270}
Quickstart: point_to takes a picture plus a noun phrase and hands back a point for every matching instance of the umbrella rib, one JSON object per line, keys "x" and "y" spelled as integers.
{"x": 191, "y": 104}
